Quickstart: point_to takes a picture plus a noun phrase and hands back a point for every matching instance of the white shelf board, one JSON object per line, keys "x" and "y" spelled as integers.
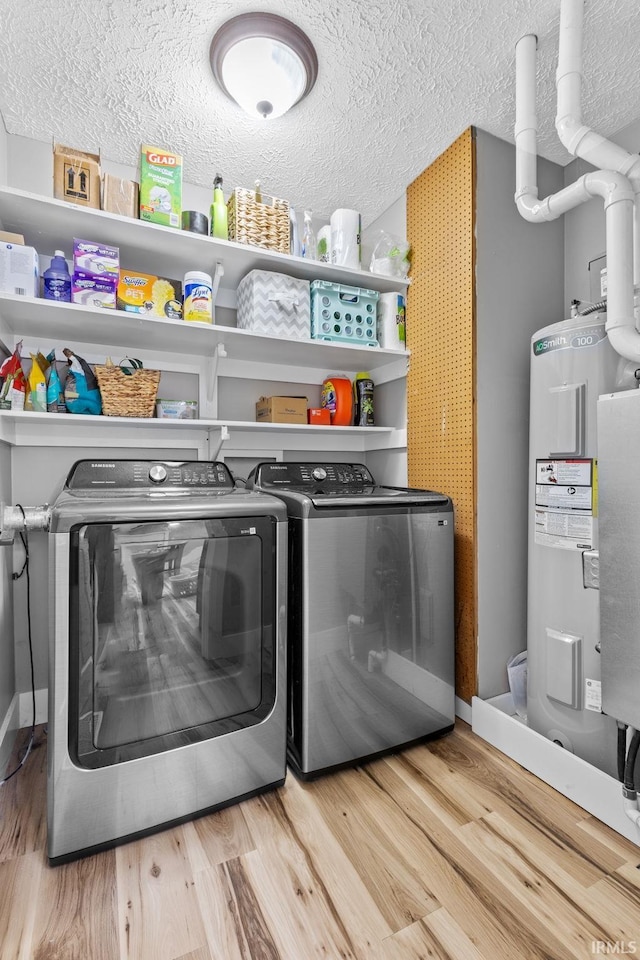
{"x": 20, "y": 427}
{"x": 49, "y": 224}
{"x": 72, "y": 322}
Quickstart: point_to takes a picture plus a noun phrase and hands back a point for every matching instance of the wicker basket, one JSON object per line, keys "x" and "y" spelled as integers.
{"x": 131, "y": 394}
{"x": 260, "y": 223}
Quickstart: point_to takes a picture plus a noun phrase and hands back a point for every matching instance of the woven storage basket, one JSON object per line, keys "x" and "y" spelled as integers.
{"x": 127, "y": 395}
{"x": 260, "y": 223}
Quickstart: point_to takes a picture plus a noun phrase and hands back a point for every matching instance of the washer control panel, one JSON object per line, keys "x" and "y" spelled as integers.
{"x": 149, "y": 475}
{"x": 333, "y": 476}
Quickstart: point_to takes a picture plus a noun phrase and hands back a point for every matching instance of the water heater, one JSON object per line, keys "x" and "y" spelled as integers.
{"x": 572, "y": 363}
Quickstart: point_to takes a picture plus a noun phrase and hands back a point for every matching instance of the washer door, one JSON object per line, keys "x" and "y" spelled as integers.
{"x": 171, "y": 634}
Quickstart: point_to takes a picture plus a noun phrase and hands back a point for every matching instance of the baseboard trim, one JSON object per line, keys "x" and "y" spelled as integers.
{"x": 25, "y": 709}
{"x": 8, "y": 730}
{"x": 463, "y": 710}
{"x": 594, "y": 791}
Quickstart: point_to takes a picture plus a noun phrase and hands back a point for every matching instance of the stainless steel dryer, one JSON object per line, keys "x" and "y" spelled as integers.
{"x": 371, "y": 621}
{"x": 167, "y": 659}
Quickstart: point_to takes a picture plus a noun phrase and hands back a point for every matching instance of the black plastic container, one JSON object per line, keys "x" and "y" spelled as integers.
{"x": 363, "y": 400}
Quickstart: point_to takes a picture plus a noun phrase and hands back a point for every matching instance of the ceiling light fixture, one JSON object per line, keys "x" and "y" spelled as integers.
{"x": 263, "y": 62}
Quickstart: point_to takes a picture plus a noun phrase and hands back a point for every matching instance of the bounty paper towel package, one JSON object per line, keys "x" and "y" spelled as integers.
{"x": 160, "y": 186}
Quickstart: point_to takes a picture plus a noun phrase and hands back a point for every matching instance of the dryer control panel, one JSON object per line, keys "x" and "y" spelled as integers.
{"x": 330, "y": 476}
{"x": 141, "y": 475}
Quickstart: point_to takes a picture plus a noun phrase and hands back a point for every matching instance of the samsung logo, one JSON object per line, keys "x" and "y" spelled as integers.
{"x": 105, "y": 466}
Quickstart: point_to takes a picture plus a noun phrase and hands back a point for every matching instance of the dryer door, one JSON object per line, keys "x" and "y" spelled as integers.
{"x": 171, "y": 634}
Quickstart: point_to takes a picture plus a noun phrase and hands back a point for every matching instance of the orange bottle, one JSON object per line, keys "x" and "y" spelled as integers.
{"x": 337, "y": 395}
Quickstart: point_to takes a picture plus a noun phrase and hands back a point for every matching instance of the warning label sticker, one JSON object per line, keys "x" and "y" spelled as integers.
{"x": 570, "y": 531}
{"x": 593, "y": 695}
{"x": 564, "y": 472}
{"x": 564, "y": 504}
{"x": 567, "y": 497}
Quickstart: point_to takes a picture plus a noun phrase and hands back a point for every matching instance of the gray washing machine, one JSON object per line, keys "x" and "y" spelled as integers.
{"x": 371, "y": 613}
{"x": 167, "y": 661}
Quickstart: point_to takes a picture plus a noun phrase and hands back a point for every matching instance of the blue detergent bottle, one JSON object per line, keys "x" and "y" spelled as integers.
{"x": 57, "y": 280}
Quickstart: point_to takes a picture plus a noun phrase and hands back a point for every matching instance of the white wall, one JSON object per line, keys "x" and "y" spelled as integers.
{"x": 519, "y": 288}
{"x": 4, "y": 137}
{"x": 7, "y": 659}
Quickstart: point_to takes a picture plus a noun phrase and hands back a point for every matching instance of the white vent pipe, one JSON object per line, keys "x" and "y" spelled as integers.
{"x": 613, "y": 187}
{"x": 583, "y": 142}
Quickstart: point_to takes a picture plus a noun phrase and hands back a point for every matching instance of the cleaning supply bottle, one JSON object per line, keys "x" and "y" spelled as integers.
{"x": 309, "y": 251}
{"x": 337, "y": 396}
{"x": 57, "y": 279}
{"x": 219, "y": 211}
{"x": 363, "y": 400}
{"x": 295, "y": 246}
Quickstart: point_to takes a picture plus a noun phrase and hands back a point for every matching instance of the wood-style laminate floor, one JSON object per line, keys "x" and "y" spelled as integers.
{"x": 448, "y": 850}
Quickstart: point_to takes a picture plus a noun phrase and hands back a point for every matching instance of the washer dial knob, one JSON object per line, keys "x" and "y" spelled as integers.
{"x": 319, "y": 473}
{"x": 157, "y": 473}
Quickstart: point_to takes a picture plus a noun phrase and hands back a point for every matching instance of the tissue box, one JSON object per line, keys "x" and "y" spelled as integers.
{"x": 76, "y": 176}
{"x": 275, "y": 304}
{"x": 120, "y": 196}
{"x": 19, "y": 270}
{"x": 281, "y": 410}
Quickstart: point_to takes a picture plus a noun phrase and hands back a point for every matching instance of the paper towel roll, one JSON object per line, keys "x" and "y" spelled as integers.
{"x": 391, "y": 321}
{"x": 345, "y": 238}
{"x": 324, "y": 244}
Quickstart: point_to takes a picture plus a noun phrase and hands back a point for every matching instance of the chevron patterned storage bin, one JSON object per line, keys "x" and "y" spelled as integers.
{"x": 274, "y": 303}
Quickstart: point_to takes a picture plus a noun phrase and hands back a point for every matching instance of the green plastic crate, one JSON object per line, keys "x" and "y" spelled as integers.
{"x": 343, "y": 314}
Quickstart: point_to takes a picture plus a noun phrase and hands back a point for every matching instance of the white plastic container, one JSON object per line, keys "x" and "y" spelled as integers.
{"x": 198, "y": 297}
{"x": 345, "y": 239}
{"x": 177, "y": 409}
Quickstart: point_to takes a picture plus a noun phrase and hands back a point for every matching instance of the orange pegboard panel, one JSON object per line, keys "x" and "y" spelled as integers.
{"x": 441, "y": 385}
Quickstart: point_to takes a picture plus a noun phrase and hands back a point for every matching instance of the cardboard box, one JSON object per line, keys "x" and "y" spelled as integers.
{"x": 19, "y": 270}
{"x": 11, "y": 238}
{"x": 76, "y": 176}
{"x": 160, "y": 186}
{"x": 93, "y": 259}
{"x": 319, "y": 416}
{"x": 120, "y": 196}
{"x": 281, "y": 410}
{"x": 153, "y": 296}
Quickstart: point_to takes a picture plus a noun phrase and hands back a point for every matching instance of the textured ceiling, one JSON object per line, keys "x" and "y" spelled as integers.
{"x": 397, "y": 84}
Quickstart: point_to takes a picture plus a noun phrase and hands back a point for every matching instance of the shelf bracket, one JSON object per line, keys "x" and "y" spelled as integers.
{"x": 224, "y": 436}
{"x": 218, "y": 274}
{"x": 220, "y": 352}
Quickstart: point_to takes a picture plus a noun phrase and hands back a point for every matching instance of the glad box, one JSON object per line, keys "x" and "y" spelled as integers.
{"x": 160, "y": 186}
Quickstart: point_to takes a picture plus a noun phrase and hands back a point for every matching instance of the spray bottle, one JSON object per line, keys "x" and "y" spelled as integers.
{"x": 309, "y": 251}
{"x": 57, "y": 280}
{"x": 219, "y": 211}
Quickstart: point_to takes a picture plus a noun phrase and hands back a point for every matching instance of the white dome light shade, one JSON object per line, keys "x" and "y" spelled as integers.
{"x": 264, "y": 76}
{"x": 263, "y": 62}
